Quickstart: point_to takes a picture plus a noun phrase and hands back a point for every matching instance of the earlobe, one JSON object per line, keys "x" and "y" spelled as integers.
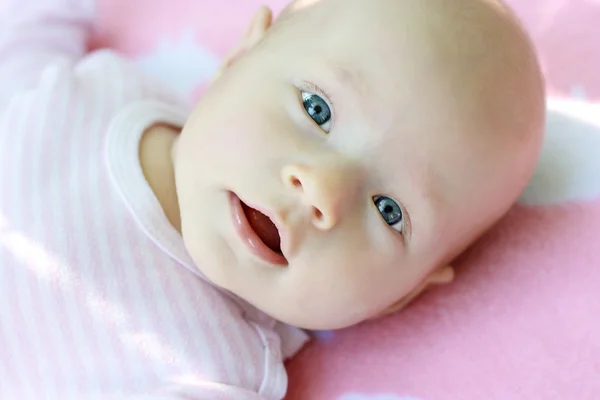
{"x": 441, "y": 276}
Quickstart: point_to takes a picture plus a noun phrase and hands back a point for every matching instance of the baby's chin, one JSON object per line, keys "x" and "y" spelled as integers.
{"x": 312, "y": 325}
{"x": 319, "y": 321}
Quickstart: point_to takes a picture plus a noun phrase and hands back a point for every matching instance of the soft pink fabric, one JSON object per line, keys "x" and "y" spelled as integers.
{"x": 522, "y": 320}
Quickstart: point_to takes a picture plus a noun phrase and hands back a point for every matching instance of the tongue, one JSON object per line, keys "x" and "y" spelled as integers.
{"x": 264, "y": 228}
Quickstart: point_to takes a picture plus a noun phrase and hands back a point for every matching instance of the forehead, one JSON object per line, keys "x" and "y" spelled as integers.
{"x": 337, "y": 21}
{"x": 392, "y": 87}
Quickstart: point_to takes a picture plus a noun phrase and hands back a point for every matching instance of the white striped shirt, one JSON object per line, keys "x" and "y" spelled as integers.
{"x": 98, "y": 297}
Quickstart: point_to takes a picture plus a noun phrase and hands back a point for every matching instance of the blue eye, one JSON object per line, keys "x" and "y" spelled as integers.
{"x": 390, "y": 211}
{"x": 317, "y": 109}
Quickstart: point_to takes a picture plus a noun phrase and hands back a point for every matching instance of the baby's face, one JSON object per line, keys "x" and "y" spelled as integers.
{"x": 356, "y": 144}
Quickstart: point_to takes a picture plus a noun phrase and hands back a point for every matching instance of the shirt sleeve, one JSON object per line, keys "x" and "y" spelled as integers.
{"x": 35, "y": 34}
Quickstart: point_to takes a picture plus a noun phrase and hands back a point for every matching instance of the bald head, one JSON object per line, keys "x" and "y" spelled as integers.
{"x": 468, "y": 75}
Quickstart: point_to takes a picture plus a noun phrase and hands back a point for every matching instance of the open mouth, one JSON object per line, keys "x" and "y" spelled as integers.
{"x": 257, "y": 231}
{"x": 264, "y": 228}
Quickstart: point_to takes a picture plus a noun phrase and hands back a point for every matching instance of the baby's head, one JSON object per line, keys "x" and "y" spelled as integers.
{"x": 382, "y": 137}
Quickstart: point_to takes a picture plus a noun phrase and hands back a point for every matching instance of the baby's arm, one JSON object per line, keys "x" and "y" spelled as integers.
{"x": 35, "y": 34}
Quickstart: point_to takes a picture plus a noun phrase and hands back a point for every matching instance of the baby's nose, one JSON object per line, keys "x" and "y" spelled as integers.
{"x": 328, "y": 190}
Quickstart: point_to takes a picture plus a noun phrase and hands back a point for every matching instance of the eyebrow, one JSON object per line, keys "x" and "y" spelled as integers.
{"x": 427, "y": 188}
{"x": 347, "y": 77}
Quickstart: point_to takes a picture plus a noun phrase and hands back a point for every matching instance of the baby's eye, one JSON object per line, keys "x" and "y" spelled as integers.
{"x": 317, "y": 109}
{"x": 390, "y": 211}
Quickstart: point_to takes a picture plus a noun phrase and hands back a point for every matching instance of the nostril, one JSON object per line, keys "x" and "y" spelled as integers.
{"x": 296, "y": 182}
{"x": 318, "y": 214}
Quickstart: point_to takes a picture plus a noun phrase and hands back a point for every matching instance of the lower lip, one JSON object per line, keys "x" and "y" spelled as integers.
{"x": 249, "y": 237}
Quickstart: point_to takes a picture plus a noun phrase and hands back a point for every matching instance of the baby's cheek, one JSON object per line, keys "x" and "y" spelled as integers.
{"x": 375, "y": 286}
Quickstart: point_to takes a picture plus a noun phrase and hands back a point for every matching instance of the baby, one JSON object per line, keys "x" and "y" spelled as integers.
{"x": 344, "y": 156}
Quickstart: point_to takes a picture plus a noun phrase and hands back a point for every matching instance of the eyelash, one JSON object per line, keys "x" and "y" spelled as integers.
{"x": 314, "y": 88}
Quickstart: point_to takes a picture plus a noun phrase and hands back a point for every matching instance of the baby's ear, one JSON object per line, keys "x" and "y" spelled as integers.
{"x": 440, "y": 276}
{"x": 260, "y": 24}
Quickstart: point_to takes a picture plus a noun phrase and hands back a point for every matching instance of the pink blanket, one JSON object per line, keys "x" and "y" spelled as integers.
{"x": 523, "y": 319}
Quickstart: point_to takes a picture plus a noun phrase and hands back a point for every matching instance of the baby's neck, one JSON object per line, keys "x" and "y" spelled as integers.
{"x": 155, "y": 153}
